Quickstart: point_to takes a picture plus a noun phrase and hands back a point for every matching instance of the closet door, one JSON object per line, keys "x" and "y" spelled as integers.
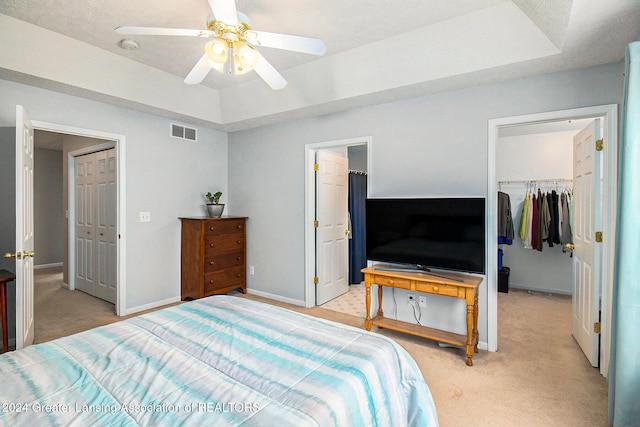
{"x": 96, "y": 224}
{"x": 106, "y": 225}
{"x": 85, "y": 222}
{"x": 588, "y": 252}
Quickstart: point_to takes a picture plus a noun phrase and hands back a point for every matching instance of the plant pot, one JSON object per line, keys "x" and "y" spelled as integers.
{"x": 215, "y": 211}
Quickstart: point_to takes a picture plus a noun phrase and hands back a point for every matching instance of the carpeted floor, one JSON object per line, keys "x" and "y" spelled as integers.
{"x": 539, "y": 376}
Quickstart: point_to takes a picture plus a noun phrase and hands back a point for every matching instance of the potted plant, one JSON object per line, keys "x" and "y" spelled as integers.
{"x": 214, "y": 207}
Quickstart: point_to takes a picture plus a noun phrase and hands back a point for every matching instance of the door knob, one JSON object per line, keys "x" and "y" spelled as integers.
{"x": 19, "y": 255}
{"x": 347, "y": 232}
{"x": 570, "y": 246}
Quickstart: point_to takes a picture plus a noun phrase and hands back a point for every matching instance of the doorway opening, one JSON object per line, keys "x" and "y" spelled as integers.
{"x": 85, "y": 141}
{"x": 609, "y": 115}
{"x": 361, "y": 145}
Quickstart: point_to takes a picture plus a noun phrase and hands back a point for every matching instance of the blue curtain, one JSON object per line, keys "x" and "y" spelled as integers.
{"x": 624, "y": 365}
{"x": 357, "y": 197}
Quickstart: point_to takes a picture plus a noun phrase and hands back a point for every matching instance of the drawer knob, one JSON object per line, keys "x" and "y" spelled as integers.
{"x": 210, "y": 281}
{"x": 212, "y": 228}
{"x": 391, "y": 281}
{"x": 239, "y": 242}
{"x": 211, "y": 262}
{"x": 436, "y": 289}
{"x": 237, "y": 258}
{"x": 211, "y": 244}
{"x": 239, "y": 226}
{"x": 238, "y": 275}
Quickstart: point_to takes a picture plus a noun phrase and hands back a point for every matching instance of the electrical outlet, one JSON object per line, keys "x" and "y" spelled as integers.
{"x": 145, "y": 216}
{"x": 422, "y": 301}
{"x": 411, "y": 297}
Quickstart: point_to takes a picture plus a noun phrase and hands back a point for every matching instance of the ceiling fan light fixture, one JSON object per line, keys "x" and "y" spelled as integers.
{"x": 216, "y": 51}
{"x": 246, "y": 55}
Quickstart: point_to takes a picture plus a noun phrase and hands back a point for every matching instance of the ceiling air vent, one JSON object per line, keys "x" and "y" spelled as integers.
{"x": 183, "y": 132}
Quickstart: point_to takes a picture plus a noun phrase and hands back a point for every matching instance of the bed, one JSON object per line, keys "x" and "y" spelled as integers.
{"x": 221, "y": 360}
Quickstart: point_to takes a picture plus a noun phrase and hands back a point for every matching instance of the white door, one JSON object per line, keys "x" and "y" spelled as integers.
{"x": 332, "y": 232}
{"x": 24, "y": 229}
{"x": 106, "y": 225}
{"x": 587, "y": 201}
{"x": 95, "y": 183}
{"x": 85, "y": 221}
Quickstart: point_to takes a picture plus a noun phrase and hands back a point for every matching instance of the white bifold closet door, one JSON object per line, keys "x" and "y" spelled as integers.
{"x": 96, "y": 224}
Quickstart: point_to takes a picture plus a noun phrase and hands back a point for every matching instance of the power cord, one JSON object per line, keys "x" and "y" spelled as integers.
{"x": 395, "y": 304}
{"x": 418, "y": 315}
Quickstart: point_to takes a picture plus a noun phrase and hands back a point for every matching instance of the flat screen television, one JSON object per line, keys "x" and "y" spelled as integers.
{"x": 424, "y": 233}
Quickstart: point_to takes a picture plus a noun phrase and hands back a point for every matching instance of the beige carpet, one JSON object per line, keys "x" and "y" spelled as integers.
{"x": 539, "y": 376}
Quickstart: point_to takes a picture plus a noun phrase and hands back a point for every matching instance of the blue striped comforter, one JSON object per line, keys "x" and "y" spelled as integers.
{"x": 216, "y": 361}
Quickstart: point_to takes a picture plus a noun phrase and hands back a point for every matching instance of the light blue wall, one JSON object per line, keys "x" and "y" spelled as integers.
{"x": 429, "y": 146}
{"x": 165, "y": 176}
{"x": 49, "y": 218}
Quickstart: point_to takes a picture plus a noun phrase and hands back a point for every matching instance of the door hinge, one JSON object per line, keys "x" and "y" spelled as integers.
{"x": 316, "y": 167}
{"x": 315, "y": 224}
{"x": 316, "y": 280}
{"x": 600, "y": 145}
{"x": 599, "y": 236}
{"x": 596, "y": 327}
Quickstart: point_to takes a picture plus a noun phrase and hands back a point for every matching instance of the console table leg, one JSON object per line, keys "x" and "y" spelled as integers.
{"x": 475, "y": 322}
{"x": 367, "y": 320}
{"x": 380, "y": 314}
{"x": 470, "y": 325}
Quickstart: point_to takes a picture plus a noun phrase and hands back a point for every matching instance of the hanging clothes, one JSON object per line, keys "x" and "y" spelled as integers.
{"x": 535, "y": 222}
{"x": 529, "y": 232}
{"x": 566, "y": 236}
{"x": 545, "y": 216}
{"x": 522, "y": 228}
{"x": 505, "y": 222}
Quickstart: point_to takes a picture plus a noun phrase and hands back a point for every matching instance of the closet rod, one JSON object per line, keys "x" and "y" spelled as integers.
{"x": 537, "y": 181}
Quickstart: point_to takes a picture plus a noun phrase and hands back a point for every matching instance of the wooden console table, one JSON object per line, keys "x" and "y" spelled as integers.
{"x": 466, "y": 288}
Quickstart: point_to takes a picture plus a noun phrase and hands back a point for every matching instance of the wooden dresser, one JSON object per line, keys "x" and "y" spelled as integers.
{"x": 213, "y": 256}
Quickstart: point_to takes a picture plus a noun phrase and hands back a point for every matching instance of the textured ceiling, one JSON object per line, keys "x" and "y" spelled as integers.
{"x": 378, "y": 51}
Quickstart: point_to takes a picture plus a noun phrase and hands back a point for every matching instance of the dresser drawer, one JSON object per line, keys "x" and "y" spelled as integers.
{"x": 224, "y": 278}
{"x": 392, "y": 281}
{"x": 223, "y": 243}
{"x": 226, "y": 260}
{"x": 223, "y": 227}
{"x": 434, "y": 288}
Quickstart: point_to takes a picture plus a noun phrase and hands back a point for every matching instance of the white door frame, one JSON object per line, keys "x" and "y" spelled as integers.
{"x": 610, "y": 123}
{"x": 111, "y": 141}
{"x": 309, "y": 200}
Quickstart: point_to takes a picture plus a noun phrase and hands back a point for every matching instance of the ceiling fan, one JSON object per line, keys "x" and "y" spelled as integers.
{"x": 233, "y": 43}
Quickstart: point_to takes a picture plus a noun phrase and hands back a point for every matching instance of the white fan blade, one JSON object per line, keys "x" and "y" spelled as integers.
{"x": 199, "y": 71}
{"x": 225, "y": 11}
{"x": 284, "y": 41}
{"x": 152, "y": 31}
{"x": 269, "y": 74}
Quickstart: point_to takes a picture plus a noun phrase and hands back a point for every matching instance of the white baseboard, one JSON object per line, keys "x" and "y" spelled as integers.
{"x": 149, "y": 306}
{"x": 53, "y": 264}
{"x": 276, "y": 297}
{"x": 540, "y": 290}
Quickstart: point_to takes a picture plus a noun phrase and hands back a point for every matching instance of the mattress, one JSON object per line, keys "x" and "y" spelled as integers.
{"x": 221, "y": 360}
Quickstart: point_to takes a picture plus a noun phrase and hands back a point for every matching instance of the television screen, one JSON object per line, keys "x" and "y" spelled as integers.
{"x": 446, "y": 233}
